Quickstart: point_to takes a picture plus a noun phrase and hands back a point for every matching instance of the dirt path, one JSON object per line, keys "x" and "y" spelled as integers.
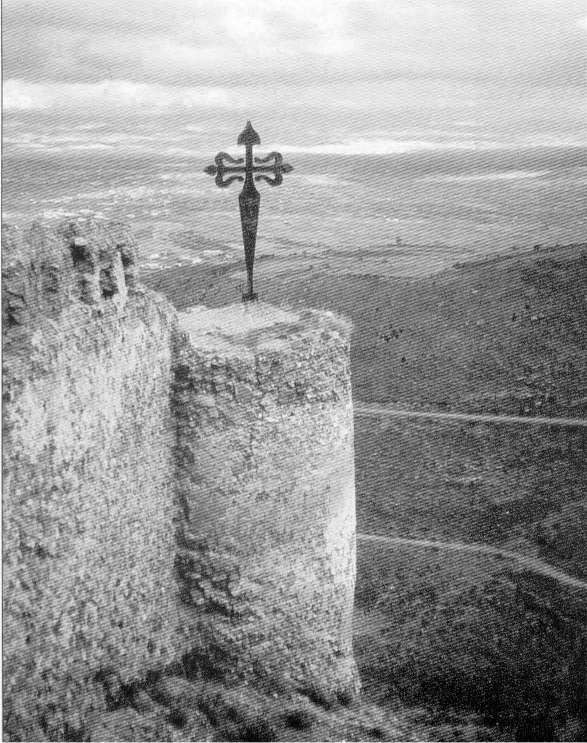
{"x": 530, "y": 563}
{"x": 363, "y": 408}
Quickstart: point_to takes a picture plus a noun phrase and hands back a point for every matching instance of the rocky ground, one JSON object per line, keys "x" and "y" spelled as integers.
{"x": 177, "y": 708}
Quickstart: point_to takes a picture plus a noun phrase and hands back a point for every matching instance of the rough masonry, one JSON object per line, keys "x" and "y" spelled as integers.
{"x": 175, "y": 488}
{"x": 263, "y": 406}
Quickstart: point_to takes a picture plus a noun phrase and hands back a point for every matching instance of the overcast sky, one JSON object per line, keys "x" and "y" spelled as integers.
{"x": 519, "y": 57}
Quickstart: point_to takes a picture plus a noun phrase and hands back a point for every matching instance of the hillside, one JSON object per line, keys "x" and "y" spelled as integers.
{"x": 456, "y": 634}
{"x": 497, "y": 335}
{"x": 521, "y": 489}
{"x": 464, "y": 645}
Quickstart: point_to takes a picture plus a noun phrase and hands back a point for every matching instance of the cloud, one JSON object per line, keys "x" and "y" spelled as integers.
{"x": 176, "y": 42}
{"x": 236, "y": 42}
{"x": 20, "y": 95}
{"x": 380, "y": 146}
{"x": 325, "y": 66}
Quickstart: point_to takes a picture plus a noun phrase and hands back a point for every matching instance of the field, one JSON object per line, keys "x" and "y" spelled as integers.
{"x": 477, "y": 645}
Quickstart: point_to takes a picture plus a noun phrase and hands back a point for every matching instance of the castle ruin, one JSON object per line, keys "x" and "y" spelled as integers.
{"x": 177, "y": 486}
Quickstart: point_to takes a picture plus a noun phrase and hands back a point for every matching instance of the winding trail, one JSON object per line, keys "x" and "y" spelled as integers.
{"x": 364, "y": 408}
{"x": 525, "y": 561}
{"x": 530, "y": 563}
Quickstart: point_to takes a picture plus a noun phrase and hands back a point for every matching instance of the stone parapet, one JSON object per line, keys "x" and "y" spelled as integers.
{"x": 46, "y": 270}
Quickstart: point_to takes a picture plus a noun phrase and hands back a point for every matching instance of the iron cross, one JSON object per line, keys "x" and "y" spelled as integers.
{"x": 249, "y": 198}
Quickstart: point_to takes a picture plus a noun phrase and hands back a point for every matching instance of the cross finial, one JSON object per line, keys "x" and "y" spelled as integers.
{"x": 248, "y": 136}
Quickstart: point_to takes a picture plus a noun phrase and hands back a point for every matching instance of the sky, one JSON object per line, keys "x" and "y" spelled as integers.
{"x": 517, "y": 66}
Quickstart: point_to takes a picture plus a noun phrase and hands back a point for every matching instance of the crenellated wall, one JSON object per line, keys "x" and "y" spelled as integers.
{"x": 172, "y": 485}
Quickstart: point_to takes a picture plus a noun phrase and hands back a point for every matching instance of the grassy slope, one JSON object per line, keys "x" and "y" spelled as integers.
{"x": 475, "y": 482}
{"x": 469, "y": 632}
{"x": 500, "y": 335}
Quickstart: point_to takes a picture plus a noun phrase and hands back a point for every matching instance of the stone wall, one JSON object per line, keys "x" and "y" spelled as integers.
{"x": 174, "y": 489}
{"x": 89, "y": 503}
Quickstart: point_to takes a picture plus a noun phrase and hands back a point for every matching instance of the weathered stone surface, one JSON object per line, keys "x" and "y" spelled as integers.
{"x": 266, "y": 481}
{"x": 128, "y": 724}
{"x": 170, "y": 493}
{"x": 89, "y": 503}
{"x": 174, "y": 690}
